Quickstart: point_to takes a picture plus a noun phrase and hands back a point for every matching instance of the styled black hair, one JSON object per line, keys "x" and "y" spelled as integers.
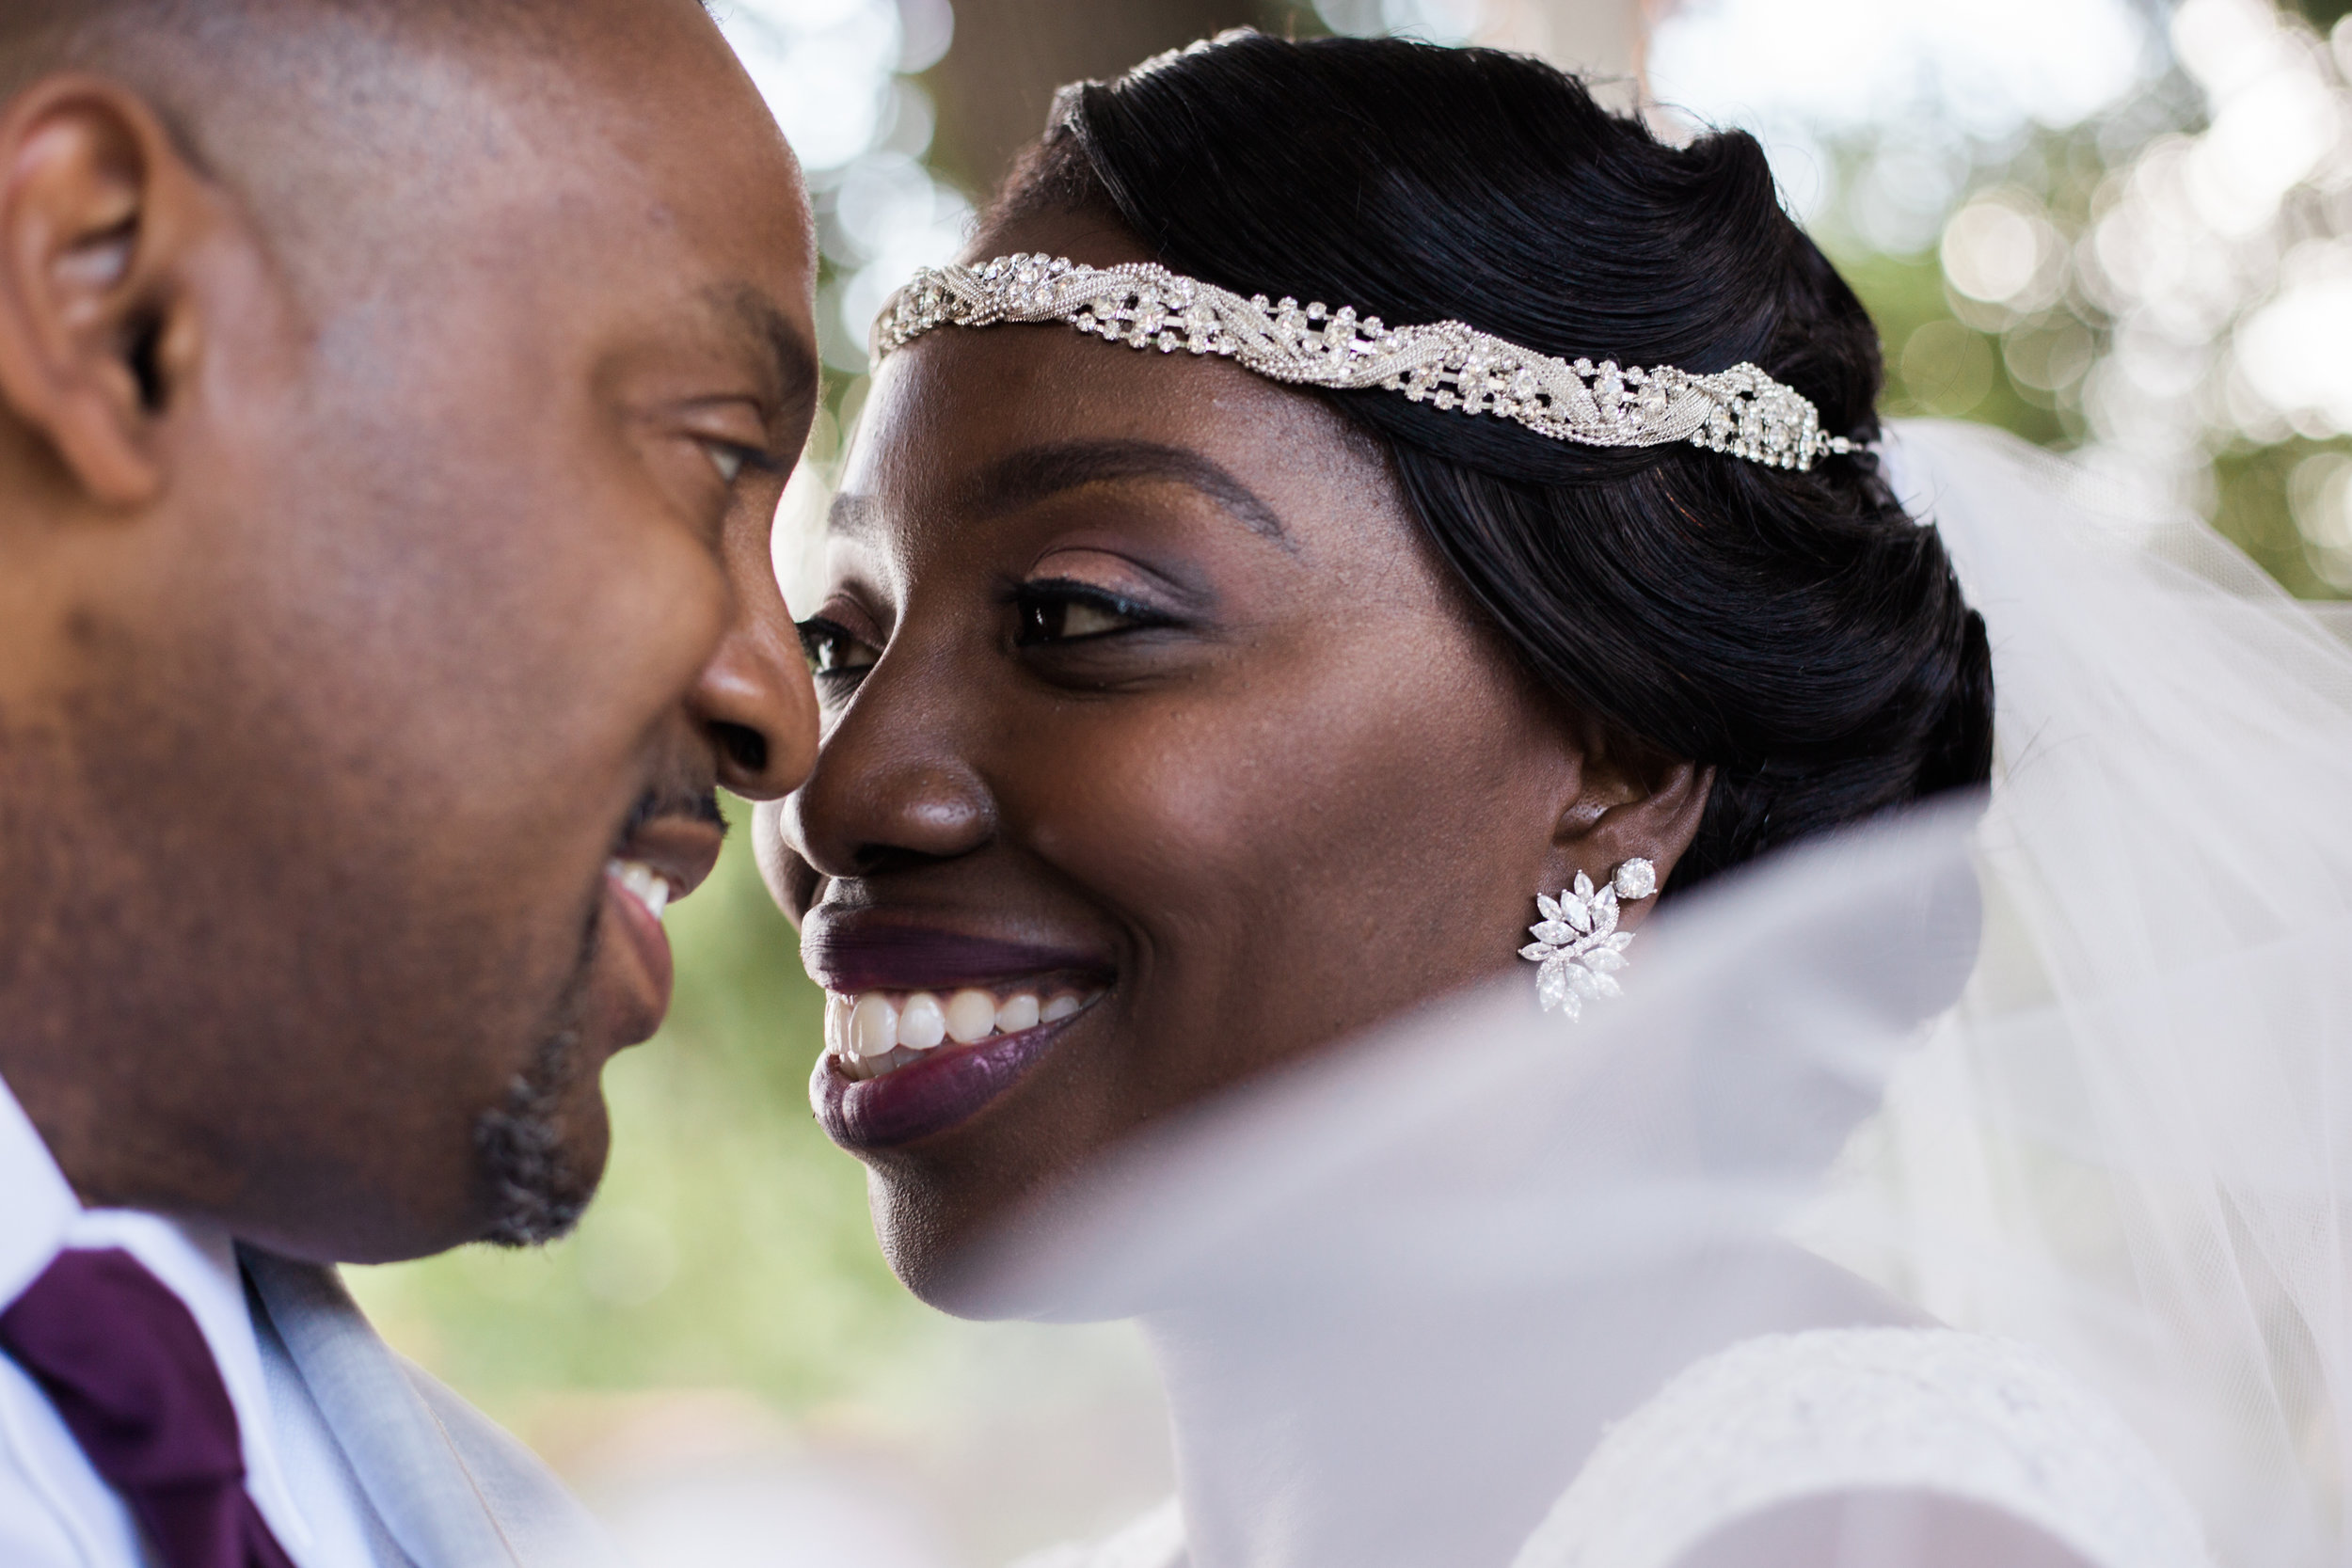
{"x": 1798, "y": 631}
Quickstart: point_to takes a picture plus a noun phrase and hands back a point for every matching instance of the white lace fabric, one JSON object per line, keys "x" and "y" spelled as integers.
{"x": 1784, "y": 1418}
{"x": 1789, "y": 1416}
{"x": 1156, "y": 1540}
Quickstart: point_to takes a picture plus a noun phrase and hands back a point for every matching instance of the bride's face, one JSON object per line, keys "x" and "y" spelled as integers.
{"x": 1158, "y": 751}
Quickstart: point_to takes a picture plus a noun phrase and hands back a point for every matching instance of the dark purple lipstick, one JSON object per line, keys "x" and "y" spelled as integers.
{"x": 848, "y": 957}
{"x": 930, "y": 1095}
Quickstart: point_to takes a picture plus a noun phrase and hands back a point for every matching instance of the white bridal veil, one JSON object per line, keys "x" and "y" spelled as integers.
{"x": 2072, "y": 1066}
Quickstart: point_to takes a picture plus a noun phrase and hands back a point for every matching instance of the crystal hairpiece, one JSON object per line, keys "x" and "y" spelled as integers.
{"x": 1741, "y": 411}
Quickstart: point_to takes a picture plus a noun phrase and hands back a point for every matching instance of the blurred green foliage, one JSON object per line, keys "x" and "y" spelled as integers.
{"x": 1937, "y": 364}
{"x": 2025, "y": 370}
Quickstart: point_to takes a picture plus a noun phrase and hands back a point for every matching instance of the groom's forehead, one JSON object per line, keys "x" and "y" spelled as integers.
{"x": 266, "y": 43}
{"x": 296, "y": 103}
{"x": 384, "y": 143}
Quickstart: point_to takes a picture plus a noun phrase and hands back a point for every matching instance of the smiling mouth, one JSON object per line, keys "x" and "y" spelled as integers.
{"x": 641, "y": 882}
{"x": 666, "y": 850}
{"x": 878, "y": 1033}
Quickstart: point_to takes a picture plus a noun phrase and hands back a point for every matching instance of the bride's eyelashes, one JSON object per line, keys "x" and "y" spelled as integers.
{"x": 1065, "y": 629}
{"x": 1058, "y": 612}
{"x": 836, "y": 656}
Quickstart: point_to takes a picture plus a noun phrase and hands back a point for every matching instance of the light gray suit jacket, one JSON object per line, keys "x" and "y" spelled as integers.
{"x": 449, "y": 1488}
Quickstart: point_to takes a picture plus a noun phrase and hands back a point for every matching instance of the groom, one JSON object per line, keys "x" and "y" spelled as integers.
{"x": 394, "y": 396}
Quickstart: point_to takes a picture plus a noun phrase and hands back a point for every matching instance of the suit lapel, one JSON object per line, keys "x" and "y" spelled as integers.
{"x": 412, "y": 1472}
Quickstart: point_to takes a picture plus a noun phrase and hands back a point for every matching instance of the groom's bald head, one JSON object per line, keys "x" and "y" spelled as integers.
{"x": 256, "y": 41}
{"x": 394, "y": 399}
{"x": 331, "y": 119}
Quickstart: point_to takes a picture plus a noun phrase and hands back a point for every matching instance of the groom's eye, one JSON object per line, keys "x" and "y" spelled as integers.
{"x": 731, "y": 458}
{"x": 1064, "y": 612}
{"x": 832, "y": 650}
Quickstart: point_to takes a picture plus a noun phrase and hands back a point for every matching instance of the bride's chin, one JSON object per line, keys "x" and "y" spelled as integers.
{"x": 970, "y": 1224}
{"x": 948, "y": 1246}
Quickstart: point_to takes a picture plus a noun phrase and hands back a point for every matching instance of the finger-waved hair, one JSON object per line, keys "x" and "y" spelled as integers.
{"x": 1797, "y": 631}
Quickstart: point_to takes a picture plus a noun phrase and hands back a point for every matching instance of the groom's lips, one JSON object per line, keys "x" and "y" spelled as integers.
{"x": 633, "y": 957}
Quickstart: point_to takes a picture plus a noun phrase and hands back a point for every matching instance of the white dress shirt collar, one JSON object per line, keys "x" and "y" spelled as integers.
{"x": 195, "y": 1261}
{"x": 40, "y": 1208}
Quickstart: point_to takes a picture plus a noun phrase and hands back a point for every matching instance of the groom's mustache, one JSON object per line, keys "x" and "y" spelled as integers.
{"x": 689, "y": 802}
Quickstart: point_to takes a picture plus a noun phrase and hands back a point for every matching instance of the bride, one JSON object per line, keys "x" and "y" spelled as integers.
{"x": 1459, "y": 519}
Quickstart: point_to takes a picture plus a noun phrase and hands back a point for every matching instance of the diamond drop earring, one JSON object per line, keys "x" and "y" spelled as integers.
{"x": 1578, "y": 942}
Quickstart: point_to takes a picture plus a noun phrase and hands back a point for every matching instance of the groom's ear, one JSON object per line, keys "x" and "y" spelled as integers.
{"x": 100, "y": 216}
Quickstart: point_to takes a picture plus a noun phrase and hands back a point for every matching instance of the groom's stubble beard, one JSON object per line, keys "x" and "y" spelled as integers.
{"x": 538, "y": 1190}
{"x": 106, "y": 923}
{"x": 526, "y": 1146}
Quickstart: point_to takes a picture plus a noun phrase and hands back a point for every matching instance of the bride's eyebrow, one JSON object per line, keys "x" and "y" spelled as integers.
{"x": 1034, "y": 473}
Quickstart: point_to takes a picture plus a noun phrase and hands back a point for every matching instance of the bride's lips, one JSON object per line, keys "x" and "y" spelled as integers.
{"x": 947, "y": 1083}
{"x": 848, "y": 954}
{"x": 931, "y": 1096}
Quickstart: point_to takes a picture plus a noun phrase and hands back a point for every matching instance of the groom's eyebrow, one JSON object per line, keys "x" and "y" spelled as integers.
{"x": 787, "y": 358}
{"x": 1034, "y": 473}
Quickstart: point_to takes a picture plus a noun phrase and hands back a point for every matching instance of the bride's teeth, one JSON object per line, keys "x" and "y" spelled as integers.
{"x": 872, "y": 1036}
{"x": 922, "y": 1024}
{"x": 873, "y": 1028}
{"x": 971, "y": 1016}
{"x": 642, "y": 883}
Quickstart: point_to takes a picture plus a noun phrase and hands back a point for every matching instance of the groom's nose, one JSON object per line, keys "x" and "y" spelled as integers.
{"x": 753, "y": 701}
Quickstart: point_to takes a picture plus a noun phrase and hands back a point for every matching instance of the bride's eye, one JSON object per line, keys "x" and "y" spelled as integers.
{"x": 1063, "y": 611}
{"x": 832, "y": 650}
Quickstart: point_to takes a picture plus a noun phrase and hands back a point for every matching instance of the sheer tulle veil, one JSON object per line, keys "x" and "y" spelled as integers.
{"x": 2070, "y": 1065}
{"x": 2133, "y": 1141}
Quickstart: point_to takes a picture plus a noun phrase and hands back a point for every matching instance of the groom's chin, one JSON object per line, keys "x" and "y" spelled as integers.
{"x": 541, "y": 1152}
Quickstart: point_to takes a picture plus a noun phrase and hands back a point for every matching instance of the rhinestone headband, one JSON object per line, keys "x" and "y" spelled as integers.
{"x": 1741, "y": 411}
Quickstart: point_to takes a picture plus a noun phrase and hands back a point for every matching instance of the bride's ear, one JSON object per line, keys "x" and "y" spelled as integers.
{"x": 1632, "y": 802}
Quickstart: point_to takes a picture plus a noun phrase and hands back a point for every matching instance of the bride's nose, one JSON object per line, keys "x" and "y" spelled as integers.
{"x": 892, "y": 787}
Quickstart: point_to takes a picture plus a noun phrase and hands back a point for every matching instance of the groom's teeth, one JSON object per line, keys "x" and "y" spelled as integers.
{"x": 642, "y": 883}
{"x": 873, "y": 1036}
{"x": 971, "y": 1016}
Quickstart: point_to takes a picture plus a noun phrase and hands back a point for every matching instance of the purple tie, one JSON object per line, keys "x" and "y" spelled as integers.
{"x": 128, "y": 1369}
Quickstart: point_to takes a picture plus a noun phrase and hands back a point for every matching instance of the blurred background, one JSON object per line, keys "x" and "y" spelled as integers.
{"x": 2122, "y": 227}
